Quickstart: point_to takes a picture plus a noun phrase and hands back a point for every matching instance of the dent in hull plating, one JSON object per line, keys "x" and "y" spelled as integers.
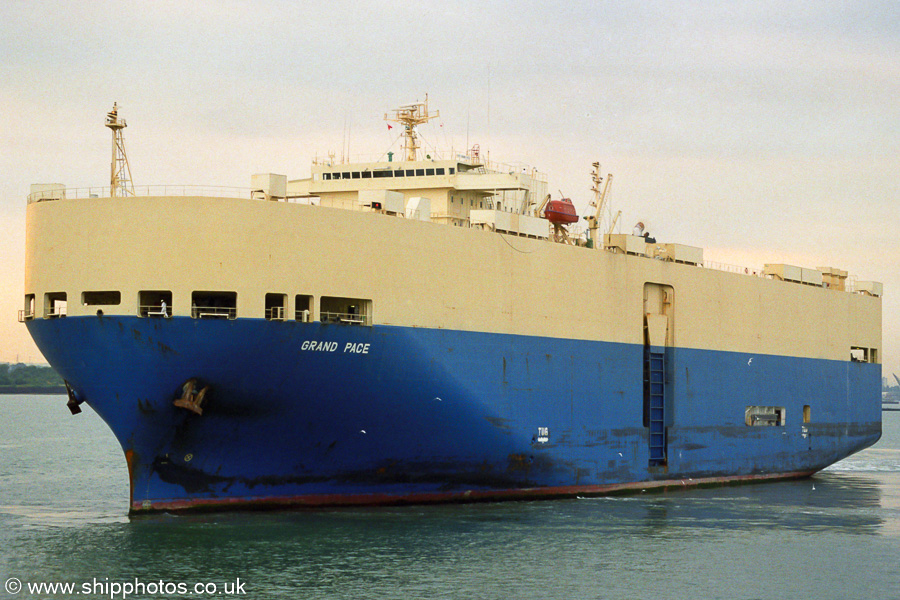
{"x": 438, "y": 415}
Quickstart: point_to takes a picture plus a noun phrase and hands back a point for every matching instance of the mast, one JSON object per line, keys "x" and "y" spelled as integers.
{"x": 120, "y": 184}
{"x": 411, "y": 116}
{"x": 599, "y": 202}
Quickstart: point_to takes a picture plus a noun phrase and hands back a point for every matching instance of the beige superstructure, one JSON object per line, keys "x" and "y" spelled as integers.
{"x": 456, "y": 188}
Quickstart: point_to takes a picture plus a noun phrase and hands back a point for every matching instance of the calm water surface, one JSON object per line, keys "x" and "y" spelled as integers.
{"x": 64, "y": 496}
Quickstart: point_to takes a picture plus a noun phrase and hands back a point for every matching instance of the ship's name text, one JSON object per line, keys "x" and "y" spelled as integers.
{"x": 349, "y": 347}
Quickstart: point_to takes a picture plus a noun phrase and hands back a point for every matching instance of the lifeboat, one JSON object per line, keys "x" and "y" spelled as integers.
{"x": 560, "y": 212}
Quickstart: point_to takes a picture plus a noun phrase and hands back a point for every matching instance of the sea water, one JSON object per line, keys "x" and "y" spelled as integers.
{"x": 64, "y": 499}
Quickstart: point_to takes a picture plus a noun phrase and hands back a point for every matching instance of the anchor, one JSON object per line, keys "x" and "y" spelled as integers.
{"x": 74, "y": 401}
{"x": 191, "y": 399}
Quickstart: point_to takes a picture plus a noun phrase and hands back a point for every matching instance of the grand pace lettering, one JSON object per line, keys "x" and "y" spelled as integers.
{"x": 349, "y": 347}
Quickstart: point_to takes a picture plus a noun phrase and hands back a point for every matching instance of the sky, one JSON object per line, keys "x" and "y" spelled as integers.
{"x": 762, "y": 131}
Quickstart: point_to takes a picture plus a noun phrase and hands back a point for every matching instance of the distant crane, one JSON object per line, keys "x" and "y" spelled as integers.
{"x": 120, "y": 184}
{"x": 890, "y": 397}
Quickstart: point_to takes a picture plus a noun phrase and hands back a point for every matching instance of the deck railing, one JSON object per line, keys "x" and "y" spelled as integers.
{"x": 146, "y": 190}
{"x": 213, "y": 312}
{"x": 275, "y": 313}
{"x": 710, "y": 264}
{"x": 345, "y": 318}
{"x": 154, "y": 310}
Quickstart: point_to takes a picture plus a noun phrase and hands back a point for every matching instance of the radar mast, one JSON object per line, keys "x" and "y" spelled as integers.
{"x": 120, "y": 184}
{"x": 599, "y": 202}
{"x": 411, "y": 116}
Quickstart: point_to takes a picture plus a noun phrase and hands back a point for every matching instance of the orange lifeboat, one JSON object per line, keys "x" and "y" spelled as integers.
{"x": 560, "y": 212}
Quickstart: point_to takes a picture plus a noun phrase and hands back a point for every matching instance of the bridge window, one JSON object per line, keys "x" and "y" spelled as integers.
{"x": 214, "y": 305}
{"x": 54, "y": 305}
{"x": 155, "y": 303}
{"x": 276, "y": 305}
{"x": 346, "y": 311}
{"x": 303, "y": 306}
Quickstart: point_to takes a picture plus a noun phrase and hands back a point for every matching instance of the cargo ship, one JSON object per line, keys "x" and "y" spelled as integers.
{"x": 419, "y": 329}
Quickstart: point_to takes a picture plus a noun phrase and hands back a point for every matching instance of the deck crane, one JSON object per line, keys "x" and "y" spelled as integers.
{"x": 541, "y": 206}
{"x": 614, "y": 221}
{"x": 599, "y": 201}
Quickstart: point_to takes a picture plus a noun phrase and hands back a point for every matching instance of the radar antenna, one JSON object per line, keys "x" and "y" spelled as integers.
{"x": 120, "y": 184}
{"x": 411, "y": 116}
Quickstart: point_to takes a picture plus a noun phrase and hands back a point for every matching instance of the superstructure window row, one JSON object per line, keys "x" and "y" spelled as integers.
{"x": 379, "y": 173}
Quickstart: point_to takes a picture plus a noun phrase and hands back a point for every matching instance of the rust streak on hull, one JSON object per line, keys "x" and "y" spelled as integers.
{"x": 346, "y": 500}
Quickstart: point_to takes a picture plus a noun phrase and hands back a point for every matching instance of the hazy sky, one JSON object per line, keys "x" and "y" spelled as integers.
{"x": 761, "y": 131}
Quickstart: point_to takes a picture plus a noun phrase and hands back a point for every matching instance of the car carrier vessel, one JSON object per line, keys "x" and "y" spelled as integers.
{"x": 431, "y": 329}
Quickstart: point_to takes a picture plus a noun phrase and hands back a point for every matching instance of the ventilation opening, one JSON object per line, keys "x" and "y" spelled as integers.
{"x": 276, "y": 305}
{"x": 764, "y": 416}
{"x": 54, "y": 305}
{"x": 861, "y": 354}
{"x": 155, "y": 303}
{"x": 303, "y": 306}
{"x": 27, "y": 313}
{"x": 214, "y": 305}
{"x": 101, "y": 298}
{"x": 346, "y": 311}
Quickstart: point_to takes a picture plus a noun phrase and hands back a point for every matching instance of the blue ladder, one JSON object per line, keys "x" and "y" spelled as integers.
{"x": 657, "y": 402}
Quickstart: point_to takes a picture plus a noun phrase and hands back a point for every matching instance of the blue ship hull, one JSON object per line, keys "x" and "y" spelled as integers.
{"x": 313, "y": 414}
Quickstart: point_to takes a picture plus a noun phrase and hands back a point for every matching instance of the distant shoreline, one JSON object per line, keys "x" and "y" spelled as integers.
{"x": 32, "y": 389}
